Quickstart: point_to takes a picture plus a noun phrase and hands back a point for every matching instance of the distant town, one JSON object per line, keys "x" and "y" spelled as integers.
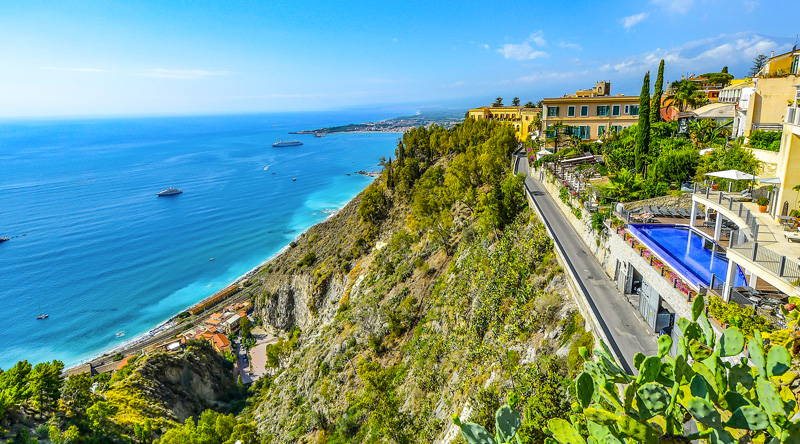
{"x": 446, "y": 119}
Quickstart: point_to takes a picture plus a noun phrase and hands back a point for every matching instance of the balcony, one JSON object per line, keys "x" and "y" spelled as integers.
{"x": 793, "y": 115}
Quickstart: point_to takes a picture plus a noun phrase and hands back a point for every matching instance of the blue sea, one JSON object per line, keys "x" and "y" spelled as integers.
{"x": 95, "y": 248}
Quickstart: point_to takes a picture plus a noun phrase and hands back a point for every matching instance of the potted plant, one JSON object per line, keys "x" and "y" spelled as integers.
{"x": 762, "y": 202}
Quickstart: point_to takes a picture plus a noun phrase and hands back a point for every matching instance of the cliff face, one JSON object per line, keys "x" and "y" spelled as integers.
{"x": 169, "y": 388}
{"x": 438, "y": 327}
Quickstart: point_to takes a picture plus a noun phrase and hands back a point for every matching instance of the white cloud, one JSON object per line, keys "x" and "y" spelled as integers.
{"x": 395, "y": 40}
{"x": 568, "y": 45}
{"x": 703, "y": 55}
{"x": 538, "y": 39}
{"x": 181, "y": 74}
{"x": 486, "y": 47}
{"x": 522, "y": 51}
{"x": 633, "y": 20}
{"x": 675, "y": 6}
{"x": 54, "y": 68}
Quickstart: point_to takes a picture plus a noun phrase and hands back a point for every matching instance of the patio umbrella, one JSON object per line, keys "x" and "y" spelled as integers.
{"x": 732, "y": 175}
{"x": 772, "y": 180}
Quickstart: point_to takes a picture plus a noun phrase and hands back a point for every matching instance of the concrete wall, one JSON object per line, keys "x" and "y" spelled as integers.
{"x": 769, "y": 161}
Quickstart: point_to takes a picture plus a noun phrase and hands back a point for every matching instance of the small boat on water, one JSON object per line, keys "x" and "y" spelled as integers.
{"x": 120, "y": 334}
{"x": 3, "y": 239}
{"x": 281, "y": 143}
{"x": 42, "y": 316}
{"x": 319, "y": 135}
{"x": 169, "y": 192}
{"x": 293, "y": 179}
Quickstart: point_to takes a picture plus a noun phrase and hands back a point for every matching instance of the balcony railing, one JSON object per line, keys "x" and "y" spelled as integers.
{"x": 793, "y": 115}
{"x": 734, "y": 206}
{"x": 768, "y": 127}
{"x": 781, "y": 266}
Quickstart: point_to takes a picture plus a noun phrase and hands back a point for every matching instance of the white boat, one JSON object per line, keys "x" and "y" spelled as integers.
{"x": 42, "y": 316}
{"x": 120, "y": 334}
{"x": 169, "y": 192}
{"x": 281, "y": 143}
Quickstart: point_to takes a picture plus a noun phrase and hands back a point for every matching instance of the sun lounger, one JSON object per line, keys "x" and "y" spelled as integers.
{"x": 684, "y": 212}
{"x": 656, "y": 212}
{"x": 674, "y": 212}
{"x": 792, "y": 236}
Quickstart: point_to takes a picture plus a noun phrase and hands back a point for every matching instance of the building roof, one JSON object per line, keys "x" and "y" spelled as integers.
{"x": 740, "y": 85}
{"x": 233, "y": 320}
{"x": 123, "y": 362}
{"x": 220, "y": 342}
{"x": 716, "y": 111}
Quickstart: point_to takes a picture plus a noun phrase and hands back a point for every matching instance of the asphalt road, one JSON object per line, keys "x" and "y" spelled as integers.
{"x": 621, "y": 323}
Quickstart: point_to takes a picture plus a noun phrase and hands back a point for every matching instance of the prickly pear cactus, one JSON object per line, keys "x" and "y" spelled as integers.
{"x": 732, "y": 400}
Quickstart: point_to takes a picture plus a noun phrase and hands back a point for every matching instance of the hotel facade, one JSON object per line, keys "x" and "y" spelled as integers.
{"x": 522, "y": 118}
{"x": 592, "y": 115}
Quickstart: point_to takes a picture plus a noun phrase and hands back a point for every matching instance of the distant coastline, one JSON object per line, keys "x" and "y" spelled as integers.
{"x": 446, "y": 119}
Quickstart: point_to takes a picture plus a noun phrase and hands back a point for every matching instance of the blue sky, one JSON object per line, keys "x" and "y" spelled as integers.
{"x": 186, "y": 57}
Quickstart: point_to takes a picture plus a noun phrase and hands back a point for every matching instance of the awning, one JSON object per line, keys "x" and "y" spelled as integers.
{"x": 732, "y": 175}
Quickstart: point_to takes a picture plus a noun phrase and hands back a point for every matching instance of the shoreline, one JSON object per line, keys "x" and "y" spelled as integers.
{"x": 169, "y": 322}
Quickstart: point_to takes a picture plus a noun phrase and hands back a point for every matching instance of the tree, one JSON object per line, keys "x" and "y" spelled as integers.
{"x": 515, "y": 101}
{"x": 46, "y": 380}
{"x": 529, "y": 104}
{"x": 244, "y": 326}
{"x": 658, "y": 92}
{"x": 718, "y": 78}
{"x": 373, "y": 206}
{"x": 758, "y": 64}
{"x": 624, "y": 187}
{"x": 643, "y": 128}
{"x": 498, "y": 102}
{"x": 686, "y": 94}
{"x": 77, "y": 394}
{"x": 730, "y": 157}
{"x": 724, "y": 70}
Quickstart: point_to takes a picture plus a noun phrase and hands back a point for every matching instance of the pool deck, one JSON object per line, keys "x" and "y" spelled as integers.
{"x": 761, "y": 285}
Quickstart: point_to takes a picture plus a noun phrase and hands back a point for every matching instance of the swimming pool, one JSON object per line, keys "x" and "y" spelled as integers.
{"x": 692, "y": 254}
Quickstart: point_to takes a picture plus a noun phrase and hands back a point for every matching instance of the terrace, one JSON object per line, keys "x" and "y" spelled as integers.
{"x": 761, "y": 245}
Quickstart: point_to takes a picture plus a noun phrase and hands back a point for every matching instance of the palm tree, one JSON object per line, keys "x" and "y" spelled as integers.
{"x": 515, "y": 101}
{"x": 624, "y": 187}
{"x": 707, "y": 132}
{"x": 686, "y": 94}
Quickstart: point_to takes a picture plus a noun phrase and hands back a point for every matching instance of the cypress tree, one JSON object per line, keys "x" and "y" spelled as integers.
{"x": 643, "y": 128}
{"x": 658, "y": 91}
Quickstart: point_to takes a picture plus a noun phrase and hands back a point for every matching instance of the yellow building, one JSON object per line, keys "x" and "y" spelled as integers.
{"x": 788, "y": 171}
{"x": 519, "y": 116}
{"x": 591, "y": 116}
{"x": 774, "y": 90}
{"x": 783, "y": 64}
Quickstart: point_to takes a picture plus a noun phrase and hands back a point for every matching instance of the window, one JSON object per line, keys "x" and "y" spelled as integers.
{"x": 552, "y": 111}
{"x": 634, "y": 110}
{"x": 584, "y": 110}
{"x": 601, "y": 130}
{"x": 627, "y": 109}
{"x": 571, "y": 111}
{"x": 615, "y": 110}
{"x": 602, "y": 110}
{"x": 584, "y": 131}
{"x": 795, "y": 63}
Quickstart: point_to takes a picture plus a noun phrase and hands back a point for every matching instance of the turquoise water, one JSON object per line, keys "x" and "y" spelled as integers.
{"x": 689, "y": 253}
{"x": 95, "y": 248}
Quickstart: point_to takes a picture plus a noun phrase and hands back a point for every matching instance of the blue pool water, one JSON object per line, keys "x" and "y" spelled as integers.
{"x": 92, "y": 245}
{"x": 686, "y": 251}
